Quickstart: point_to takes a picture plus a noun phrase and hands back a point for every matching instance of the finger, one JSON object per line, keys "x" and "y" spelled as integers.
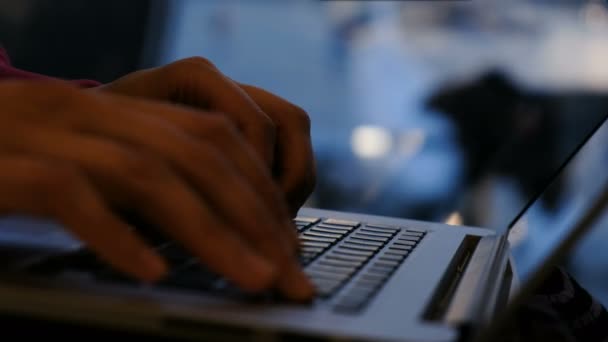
{"x": 161, "y": 197}
{"x": 292, "y": 279}
{"x": 219, "y": 133}
{"x": 229, "y": 195}
{"x": 197, "y": 82}
{"x": 185, "y": 152}
{"x": 33, "y": 187}
{"x": 235, "y": 208}
{"x": 294, "y": 159}
{"x": 214, "y": 128}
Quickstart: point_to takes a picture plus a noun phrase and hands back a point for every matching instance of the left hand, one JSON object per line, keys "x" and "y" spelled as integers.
{"x": 278, "y": 130}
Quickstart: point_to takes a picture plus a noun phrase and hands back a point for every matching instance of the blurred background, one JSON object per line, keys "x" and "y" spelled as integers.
{"x": 449, "y": 111}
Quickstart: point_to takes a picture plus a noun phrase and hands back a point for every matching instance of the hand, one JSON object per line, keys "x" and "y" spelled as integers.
{"x": 74, "y": 155}
{"x": 278, "y": 130}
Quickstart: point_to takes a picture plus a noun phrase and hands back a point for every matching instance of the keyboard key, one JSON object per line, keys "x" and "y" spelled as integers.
{"x": 364, "y": 236}
{"x": 366, "y": 284}
{"x": 326, "y": 288}
{"x": 312, "y": 232}
{"x": 340, "y": 263}
{"x": 357, "y": 246}
{"x": 391, "y": 257}
{"x": 309, "y": 249}
{"x": 379, "y": 230}
{"x": 387, "y": 263}
{"x": 348, "y": 305}
{"x": 345, "y": 257}
{"x": 314, "y": 244}
{"x": 398, "y": 252}
{"x": 335, "y": 227}
{"x": 374, "y": 277}
{"x": 362, "y": 293}
{"x": 357, "y": 296}
{"x": 338, "y": 270}
{"x": 409, "y": 237}
{"x": 309, "y": 255}
{"x": 305, "y": 260}
{"x": 379, "y": 271}
{"x": 401, "y": 248}
{"x": 309, "y": 220}
{"x": 382, "y": 226}
{"x": 305, "y": 237}
{"x": 367, "y": 231}
{"x": 350, "y": 251}
{"x": 354, "y": 299}
{"x": 318, "y": 274}
{"x": 414, "y": 233}
{"x": 318, "y": 229}
{"x": 404, "y": 243}
{"x": 338, "y": 222}
{"x": 384, "y": 267}
{"x": 365, "y": 242}
{"x": 369, "y": 282}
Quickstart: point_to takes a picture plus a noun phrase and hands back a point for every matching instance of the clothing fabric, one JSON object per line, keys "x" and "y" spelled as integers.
{"x": 8, "y": 71}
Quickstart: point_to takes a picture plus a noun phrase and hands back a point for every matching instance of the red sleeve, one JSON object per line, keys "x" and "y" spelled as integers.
{"x": 7, "y": 71}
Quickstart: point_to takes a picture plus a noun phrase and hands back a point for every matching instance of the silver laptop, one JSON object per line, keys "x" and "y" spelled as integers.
{"x": 378, "y": 278}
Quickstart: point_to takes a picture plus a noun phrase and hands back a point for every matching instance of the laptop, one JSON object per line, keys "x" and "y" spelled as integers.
{"x": 378, "y": 278}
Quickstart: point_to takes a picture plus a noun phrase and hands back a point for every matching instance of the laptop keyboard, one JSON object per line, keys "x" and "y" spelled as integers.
{"x": 355, "y": 261}
{"x": 347, "y": 261}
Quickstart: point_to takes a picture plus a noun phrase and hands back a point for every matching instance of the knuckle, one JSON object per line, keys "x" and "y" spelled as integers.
{"x": 300, "y": 116}
{"x": 185, "y": 70}
{"x": 138, "y": 166}
{"x": 221, "y": 124}
{"x": 199, "y": 60}
{"x": 196, "y": 61}
{"x": 216, "y": 127}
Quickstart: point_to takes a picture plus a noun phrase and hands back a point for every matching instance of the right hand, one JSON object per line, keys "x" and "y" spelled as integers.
{"x": 73, "y": 155}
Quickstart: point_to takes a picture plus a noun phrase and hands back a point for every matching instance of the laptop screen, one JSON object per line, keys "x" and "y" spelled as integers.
{"x": 552, "y": 217}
